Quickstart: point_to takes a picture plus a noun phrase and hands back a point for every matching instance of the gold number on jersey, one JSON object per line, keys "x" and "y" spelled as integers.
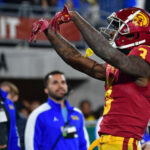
{"x": 108, "y": 101}
{"x": 144, "y": 52}
{"x": 108, "y": 97}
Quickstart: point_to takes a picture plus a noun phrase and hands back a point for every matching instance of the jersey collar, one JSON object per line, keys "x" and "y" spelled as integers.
{"x": 58, "y": 106}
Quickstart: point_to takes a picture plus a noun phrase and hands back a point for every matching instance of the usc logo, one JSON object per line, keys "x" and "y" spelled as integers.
{"x": 141, "y": 20}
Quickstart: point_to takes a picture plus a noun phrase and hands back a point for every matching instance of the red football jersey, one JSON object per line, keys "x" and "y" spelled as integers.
{"x": 127, "y": 105}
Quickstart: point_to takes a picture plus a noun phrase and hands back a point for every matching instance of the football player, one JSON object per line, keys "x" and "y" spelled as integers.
{"x": 126, "y": 72}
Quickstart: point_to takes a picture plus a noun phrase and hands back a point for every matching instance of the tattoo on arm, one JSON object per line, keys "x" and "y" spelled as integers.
{"x": 94, "y": 39}
{"x": 71, "y": 56}
{"x": 133, "y": 65}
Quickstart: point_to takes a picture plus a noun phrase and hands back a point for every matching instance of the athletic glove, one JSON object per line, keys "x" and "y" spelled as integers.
{"x": 42, "y": 24}
{"x": 38, "y": 27}
{"x": 59, "y": 18}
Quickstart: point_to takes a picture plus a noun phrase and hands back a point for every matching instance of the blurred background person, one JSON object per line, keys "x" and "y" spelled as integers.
{"x": 34, "y": 104}
{"x": 13, "y": 95}
{"x": 29, "y": 106}
{"x": 49, "y": 3}
{"x": 22, "y": 109}
{"x": 56, "y": 124}
{"x": 85, "y": 107}
{"x": 9, "y": 138}
{"x": 27, "y": 70}
{"x": 93, "y": 15}
{"x": 11, "y": 89}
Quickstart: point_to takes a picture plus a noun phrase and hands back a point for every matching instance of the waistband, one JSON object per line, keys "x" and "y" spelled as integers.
{"x": 109, "y": 139}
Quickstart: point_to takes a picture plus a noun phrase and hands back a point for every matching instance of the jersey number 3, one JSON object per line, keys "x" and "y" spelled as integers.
{"x": 143, "y": 52}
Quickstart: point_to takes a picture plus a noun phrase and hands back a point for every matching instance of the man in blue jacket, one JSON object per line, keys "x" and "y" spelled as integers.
{"x": 9, "y": 139}
{"x": 56, "y": 125}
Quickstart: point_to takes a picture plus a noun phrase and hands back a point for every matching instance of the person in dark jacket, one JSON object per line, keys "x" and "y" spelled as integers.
{"x": 13, "y": 95}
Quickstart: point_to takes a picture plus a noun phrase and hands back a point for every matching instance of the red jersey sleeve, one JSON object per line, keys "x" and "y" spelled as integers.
{"x": 142, "y": 51}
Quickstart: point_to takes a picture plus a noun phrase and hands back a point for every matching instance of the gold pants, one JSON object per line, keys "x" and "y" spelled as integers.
{"x": 109, "y": 142}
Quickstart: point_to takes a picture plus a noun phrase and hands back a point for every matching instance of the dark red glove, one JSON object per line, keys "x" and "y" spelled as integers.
{"x": 38, "y": 27}
{"x": 59, "y": 18}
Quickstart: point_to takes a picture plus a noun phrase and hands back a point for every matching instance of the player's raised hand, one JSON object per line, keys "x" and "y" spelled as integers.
{"x": 38, "y": 27}
{"x": 59, "y": 18}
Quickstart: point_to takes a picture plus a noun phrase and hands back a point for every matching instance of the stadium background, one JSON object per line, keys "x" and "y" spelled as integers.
{"x": 26, "y": 64}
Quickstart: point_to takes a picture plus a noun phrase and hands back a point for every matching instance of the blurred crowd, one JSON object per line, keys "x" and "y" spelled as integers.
{"x": 25, "y": 107}
{"x": 95, "y": 11}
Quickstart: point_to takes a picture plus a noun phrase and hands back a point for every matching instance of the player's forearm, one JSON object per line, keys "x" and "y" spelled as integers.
{"x": 94, "y": 39}
{"x": 62, "y": 47}
{"x": 66, "y": 51}
{"x": 72, "y": 57}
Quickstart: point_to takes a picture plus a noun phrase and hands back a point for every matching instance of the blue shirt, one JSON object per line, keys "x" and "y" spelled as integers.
{"x": 44, "y": 128}
{"x": 146, "y": 136}
{"x": 64, "y": 112}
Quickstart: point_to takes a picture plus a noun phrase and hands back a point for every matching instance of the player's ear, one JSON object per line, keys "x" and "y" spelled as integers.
{"x": 46, "y": 91}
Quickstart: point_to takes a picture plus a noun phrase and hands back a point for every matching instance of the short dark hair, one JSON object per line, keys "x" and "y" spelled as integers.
{"x": 49, "y": 74}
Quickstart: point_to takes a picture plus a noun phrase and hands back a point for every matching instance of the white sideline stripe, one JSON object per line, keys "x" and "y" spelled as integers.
{"x": 78, "y": 110}
{"x": 30, "y": 126}
{"x": 98, "y": 127}
{"x": 86, "y": 138}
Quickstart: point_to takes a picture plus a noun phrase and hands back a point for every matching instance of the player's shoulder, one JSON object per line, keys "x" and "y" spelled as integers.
{"x": 78, "y": 111}
{"x": 40, "y": 110}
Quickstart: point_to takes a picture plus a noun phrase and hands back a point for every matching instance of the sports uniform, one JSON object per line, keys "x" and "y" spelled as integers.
{"x": 45, "y": 125}
{"x": 127, "y": 105}
{"x": 126, "y": 112}
{"x": 127, "y": 96}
